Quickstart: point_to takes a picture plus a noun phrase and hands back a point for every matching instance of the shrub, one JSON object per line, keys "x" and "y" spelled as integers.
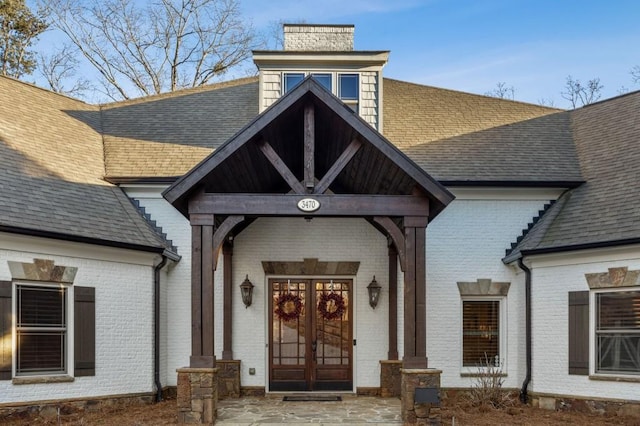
{"x": 487, "y": 390}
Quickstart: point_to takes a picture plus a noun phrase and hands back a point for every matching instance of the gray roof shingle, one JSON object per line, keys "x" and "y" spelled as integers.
{"x": 51, "y": 173}
{"x": 605, "y": 209}
{"x": 538, "y": 150}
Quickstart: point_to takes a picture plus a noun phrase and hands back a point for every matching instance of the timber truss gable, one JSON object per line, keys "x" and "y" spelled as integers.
{"x": 307, "y": 155}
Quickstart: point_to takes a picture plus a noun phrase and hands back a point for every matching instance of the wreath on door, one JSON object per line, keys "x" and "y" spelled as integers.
{"x": 331, "y": 306}
{"x": 288, "y": 307}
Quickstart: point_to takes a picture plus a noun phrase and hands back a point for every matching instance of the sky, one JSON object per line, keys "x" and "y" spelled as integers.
{"x": 471, "y": 45}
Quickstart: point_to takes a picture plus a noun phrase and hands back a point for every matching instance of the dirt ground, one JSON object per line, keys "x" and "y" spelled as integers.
{"x": 164, "y": 413}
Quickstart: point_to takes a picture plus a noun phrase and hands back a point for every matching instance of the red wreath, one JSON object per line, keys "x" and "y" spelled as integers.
{"x": 288, "y": 307}
{"x": 331, "y": 311}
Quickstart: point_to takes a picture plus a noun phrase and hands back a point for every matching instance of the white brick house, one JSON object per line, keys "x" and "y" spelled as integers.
{"x": 530, "y": 254}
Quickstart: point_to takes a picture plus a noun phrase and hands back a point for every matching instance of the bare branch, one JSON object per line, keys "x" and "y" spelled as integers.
{"x": 61, "y": 67}
{"x": 142, "y": 48}
{"x": 502, "y": 91}
{"x": 578, "y": 94}
{"x": 635, "y": 74}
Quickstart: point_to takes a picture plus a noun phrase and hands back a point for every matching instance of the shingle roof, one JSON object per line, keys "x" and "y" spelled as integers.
{"x": 167, "y": 135}
{"x": 52, "y": 168}
{"x": 56, "y": 151}
{"x": 539, "y": 150}
{"x": 415, "y": 114}
{"x": 605, "y": 209}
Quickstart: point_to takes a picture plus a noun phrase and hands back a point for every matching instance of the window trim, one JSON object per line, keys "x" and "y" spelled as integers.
{"x": 466, "y": 371}
{"x": 593, "y": 320}
{"x": 69, "y": 334}
{"x": 335, "y": 84}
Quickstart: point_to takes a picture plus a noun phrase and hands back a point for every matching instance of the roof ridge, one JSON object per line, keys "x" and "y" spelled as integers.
{"x": 538, "y": 226}
{"x": 153, "y": 224}
{"x": 551, "y": 109}
{"x": 181, "y": 92}
{"x": 44, "y": 89}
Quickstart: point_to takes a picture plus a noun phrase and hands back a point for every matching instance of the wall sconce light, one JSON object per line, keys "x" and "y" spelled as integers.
{"x": 374, "y": 292}
{"x": 246, "y": 290}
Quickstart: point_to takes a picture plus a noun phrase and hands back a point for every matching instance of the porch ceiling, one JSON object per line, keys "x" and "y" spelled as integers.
{"x": 240, "y": 166}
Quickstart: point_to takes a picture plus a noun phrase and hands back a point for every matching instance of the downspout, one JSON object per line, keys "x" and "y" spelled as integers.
{"x": 524, "y": 397}
{"x": 156, "y": 327}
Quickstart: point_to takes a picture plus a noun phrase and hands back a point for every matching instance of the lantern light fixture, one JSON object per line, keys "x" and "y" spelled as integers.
{"x": 246, "y": 290}
{"x": 374, "y": 292}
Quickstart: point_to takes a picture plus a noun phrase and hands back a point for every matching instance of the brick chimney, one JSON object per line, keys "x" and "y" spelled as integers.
{"x": 318, "y": 38}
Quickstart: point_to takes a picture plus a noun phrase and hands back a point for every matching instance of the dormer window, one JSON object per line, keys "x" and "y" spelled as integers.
{"x": 348, "y": 90}
{"x": 324, "y": 79}
{"x": 347, "y": 86}
{"x": 291, "y": 80}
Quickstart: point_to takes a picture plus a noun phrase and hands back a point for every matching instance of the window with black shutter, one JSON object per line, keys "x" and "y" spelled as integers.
{"x": 579, "y": 332}
{"x": 618, "y": 332}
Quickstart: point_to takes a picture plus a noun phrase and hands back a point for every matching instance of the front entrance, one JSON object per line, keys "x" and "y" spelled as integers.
{"x": 311, "y": 335}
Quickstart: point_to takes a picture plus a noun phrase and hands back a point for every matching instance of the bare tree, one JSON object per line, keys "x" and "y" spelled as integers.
{"x": 548, "y": 102}
{"x": 635, "y": 74}
{"x": 502, "y": 91}
{"x": 579, "y": 94}
{"x": 19, "y": 27}
{"x": 60, "y": 70}
{"x": 274, "y": 35}
{"x": 142, "y": 48}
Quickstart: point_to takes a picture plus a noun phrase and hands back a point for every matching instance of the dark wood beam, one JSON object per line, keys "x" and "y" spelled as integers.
{"x": 338, "y": 166}
{"x": 227, "y": 337}
{"x": 207, "y": 291}
{"x": 393, "y": 302}
{"x": 196, "y": 290}
{"x": 221, "y": 235}
{"x": 415, "y": 320}
{"x": 396, "y": 236}
{"x": 309, "y": 148}
{"x": 330, "y": 205}
{"x": 281, "y": 167}
{"x": 202, "y": 303}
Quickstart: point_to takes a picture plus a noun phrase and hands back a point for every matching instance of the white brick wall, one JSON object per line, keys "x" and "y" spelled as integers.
{"x": 553, "y": 277}
{"x": 465, "y": 242}
{"x": 328, "y": 240}
{"x": 124, "y": 321}
{"x": 176, "y": 290}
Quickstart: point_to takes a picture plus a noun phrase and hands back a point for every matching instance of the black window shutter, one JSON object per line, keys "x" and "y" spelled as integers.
{"x": 85, "y": 331}
{"x": 579, "y": 332}
{"x": 5, "y": 330}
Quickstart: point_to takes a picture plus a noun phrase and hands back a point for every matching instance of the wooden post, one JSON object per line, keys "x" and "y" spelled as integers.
{"x": 202, "y": 311}
{"x": 393, "y": 302}
{"x": 227, "y": 252}
{"x": 309, "y": 148}
{"x": 415, "y": 318}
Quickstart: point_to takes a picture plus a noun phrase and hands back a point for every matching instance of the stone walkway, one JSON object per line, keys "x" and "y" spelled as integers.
{"x": 273, "y": 410}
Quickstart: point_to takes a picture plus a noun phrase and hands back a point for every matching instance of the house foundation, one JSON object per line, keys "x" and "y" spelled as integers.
{"x": 197, "y": 395}
{"x": 420, "y": 396}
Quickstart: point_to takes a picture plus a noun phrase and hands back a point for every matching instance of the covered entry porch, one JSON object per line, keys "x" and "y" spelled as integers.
{"x": 307, "y": 158}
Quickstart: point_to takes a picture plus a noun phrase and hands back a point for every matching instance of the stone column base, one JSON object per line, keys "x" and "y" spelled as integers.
{"x": 390, "y": 378}
{"x": 197, "y": 395}
{"x": 228, "y": 378}
{"x": 415, "y": 412}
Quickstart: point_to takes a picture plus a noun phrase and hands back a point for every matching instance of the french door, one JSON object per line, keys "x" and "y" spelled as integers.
{"x": 310, "y": 335}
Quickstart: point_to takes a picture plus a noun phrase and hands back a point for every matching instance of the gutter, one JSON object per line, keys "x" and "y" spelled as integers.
{"x": 156, "y": 327}
{"x": 524, "y": 397}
